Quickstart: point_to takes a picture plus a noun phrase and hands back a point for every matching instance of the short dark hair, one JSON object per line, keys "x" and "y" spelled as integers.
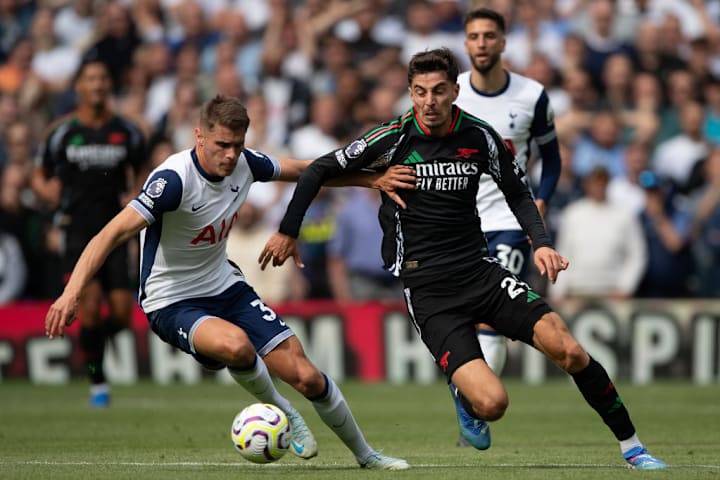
{"x": 226, "y": 111}
{"x": 438, "y": 60}
{"x": 91, "y": 57}
{"x": 487, "y": 14}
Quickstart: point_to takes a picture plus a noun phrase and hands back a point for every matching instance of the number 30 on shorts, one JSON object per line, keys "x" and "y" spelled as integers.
{"x": 511, "y": 258}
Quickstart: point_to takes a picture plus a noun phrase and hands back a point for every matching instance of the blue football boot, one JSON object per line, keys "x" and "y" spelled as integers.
{"x": 474, "y": 432}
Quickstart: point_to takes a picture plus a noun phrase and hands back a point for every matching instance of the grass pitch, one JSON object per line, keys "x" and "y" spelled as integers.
{"x": 182, "y": 432}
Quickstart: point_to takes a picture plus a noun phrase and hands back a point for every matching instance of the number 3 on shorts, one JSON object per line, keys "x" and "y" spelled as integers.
{"x": 269, "y": 315}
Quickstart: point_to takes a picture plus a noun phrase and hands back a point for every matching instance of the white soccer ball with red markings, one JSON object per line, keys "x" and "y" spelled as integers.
{"x": 261, "y": 433}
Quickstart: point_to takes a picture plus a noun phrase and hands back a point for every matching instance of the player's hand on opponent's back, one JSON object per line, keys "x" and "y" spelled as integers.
{"x": 62, "y": 314}
{"x": 279, "y": 248}
{"x": 397, "y": 177}
{"x": 550, "y": 262}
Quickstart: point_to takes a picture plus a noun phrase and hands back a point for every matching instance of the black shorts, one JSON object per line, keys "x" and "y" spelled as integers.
{"x": 115, "y": 272}
{"x": 446, "y": 310}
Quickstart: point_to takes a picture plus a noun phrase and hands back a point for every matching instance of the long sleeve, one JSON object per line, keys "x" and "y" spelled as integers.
{"x": 636, "y": 257}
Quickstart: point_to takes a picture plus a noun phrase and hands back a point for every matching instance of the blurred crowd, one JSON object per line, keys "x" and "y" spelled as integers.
{"x": 634, "y": 84}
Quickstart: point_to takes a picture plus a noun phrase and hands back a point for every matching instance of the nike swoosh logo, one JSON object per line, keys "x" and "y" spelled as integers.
{"x": 297, "y": 447}
{"x": 235, "y": 189}
{"x": 195, "y": 208}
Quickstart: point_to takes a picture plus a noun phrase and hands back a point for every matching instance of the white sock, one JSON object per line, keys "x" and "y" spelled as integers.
{"x": 335, "y": 412}
{"x": 494, "y": 348}
{"x": 257, "y": 381}
{"x": 98, "y": 388}
{"x": 630, "y": 443}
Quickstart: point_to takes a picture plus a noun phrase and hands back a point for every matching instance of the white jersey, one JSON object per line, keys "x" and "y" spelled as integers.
{"x": 190, "y": 214}
{"x": 519, "y": 112}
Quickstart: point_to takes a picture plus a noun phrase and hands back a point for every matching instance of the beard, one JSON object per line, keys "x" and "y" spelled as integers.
{"x": 485, "y": 68}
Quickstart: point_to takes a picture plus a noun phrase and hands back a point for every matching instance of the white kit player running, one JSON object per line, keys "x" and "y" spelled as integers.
{"x": 517, "y": 107}
{"x": 195, "y": 298}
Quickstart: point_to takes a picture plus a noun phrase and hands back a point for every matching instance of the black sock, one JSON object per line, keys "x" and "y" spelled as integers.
{"x": 599, "y": 392}
{"x": 92, "y": 345}
{"x": 113, "y": 326}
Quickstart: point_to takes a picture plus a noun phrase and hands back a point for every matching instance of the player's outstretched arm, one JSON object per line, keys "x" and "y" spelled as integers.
{"x": 397, "y": 177}
{"x": 550, "y": 262}
{"x": 279, "y": 248}
{"x": 120, "y": 229}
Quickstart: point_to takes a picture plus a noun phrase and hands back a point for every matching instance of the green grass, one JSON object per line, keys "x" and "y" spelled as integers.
{"x": 182, "y": 432}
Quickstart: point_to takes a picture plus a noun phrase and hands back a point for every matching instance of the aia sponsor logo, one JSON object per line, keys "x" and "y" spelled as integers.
{"x": 212, "y": 235}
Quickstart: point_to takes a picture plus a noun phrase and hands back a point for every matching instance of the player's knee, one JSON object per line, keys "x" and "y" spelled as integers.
{"x": 236, "y": 351}
{"x": 572, "y": 357}
{"x": 576, "y": 358}
{"x": 309, "y": 381}
{"x": 495, "y": 408}
{"x": 491, "y": 407}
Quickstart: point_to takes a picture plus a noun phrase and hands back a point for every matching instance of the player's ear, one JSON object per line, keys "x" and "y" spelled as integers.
{"x": 199, "y": 136}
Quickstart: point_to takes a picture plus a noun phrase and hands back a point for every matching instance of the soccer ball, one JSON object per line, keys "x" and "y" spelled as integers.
{"x": 261, "y": 433}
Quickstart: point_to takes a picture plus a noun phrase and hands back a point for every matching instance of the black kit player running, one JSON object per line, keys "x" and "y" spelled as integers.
{"x": 87, "y": 163}
{"x": 432, "y": 246}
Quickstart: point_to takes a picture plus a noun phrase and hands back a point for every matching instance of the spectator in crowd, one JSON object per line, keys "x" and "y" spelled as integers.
{"x": 706, "y": 229}
{"x": 676, "y": 157}
{"x": 531, "y": 35}
{"x": 540, "y": 69}
{"x": 648, "y": 55}
{"x": 600, "y": 36}
{"x": 666, "y": 225}
{"x": 158, "y": 63}
{"x": 360, "y": 31}
{"x": 602, "y": 146}
{"x": 15, "y": 18}
{"x": 178, "y": 124}
{"x": 16, "y": 72}
{"x": 626, "y": 190}
{"x": 117, "y": 39}
{"x": 643, "y": 117}
{"x": 711, "y": 123}
{"x": 582, "y": 98}
{"x": 605, "y": 242}
{"x": 149, "y": 19}
{"x": 193, "y": 28}
{"x": 422, "y": 33}
{"x": 13, "y": 268}
{"x": 680, "y": 89}
{"x": 323, "y": 132}
{"x": 355, "y": 269}
{"x": 74, "y": 24}
{"x": 567, "y": 191}
{"x": 287, "y": 96}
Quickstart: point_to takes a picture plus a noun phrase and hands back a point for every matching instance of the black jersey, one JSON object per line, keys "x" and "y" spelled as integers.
{"x": 440, "y": 230}
{"x": 91, "y": 164}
